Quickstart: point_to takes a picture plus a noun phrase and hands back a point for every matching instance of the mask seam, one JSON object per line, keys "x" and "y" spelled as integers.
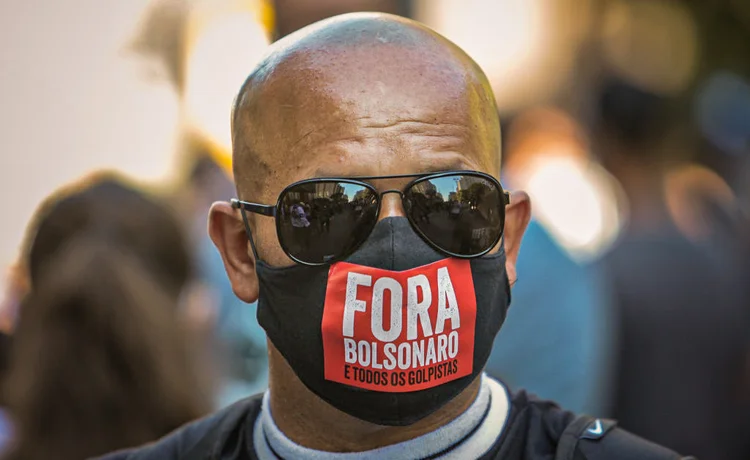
{"x": 393, "y": 246}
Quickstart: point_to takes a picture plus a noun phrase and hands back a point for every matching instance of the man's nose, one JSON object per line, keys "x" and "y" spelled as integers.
{"x": 391, "y": 205}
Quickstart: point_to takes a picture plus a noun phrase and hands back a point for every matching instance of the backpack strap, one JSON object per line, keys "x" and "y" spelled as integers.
{"x": 583, "y": 427}
{"x": 589, "y": 438}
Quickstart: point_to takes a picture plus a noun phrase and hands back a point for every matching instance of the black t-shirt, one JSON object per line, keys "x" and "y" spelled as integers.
{"x": 533, "y": 431}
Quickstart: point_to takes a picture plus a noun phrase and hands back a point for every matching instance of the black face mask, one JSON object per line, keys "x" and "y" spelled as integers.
{"x": 393, "y": 333}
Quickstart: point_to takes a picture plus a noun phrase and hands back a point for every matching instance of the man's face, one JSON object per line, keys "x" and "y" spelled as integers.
{"x": 362, "y": 111}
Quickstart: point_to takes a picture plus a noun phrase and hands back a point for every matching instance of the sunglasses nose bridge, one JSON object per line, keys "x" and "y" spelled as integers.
{"x": 390, "y": 205}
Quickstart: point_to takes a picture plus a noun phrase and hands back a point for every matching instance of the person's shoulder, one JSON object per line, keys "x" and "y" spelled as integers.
{"x": 201, "y": 438}
{"x": 562, "y": 435}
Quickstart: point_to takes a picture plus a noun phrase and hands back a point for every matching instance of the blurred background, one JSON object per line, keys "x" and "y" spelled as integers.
{"x": 627, "y": 121}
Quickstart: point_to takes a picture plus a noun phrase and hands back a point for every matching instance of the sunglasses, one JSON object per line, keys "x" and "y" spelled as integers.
{"x": 324, "y": 220}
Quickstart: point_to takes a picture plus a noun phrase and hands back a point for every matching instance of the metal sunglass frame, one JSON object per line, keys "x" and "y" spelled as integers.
{"x": 271, "y": 210}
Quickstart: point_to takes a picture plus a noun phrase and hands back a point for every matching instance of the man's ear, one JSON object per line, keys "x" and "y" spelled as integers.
{"x": 227, "y": 231}
{"x": 517, "y": 217}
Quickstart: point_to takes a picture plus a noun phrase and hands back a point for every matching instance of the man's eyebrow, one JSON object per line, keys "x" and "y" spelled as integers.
{"x": 459, "y": 164}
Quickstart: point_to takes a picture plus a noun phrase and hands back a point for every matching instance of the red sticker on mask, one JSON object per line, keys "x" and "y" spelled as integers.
{"x": 399, "y": 331}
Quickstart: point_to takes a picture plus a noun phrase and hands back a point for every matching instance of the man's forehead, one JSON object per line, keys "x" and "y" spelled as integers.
{"x": 380, "y": 79}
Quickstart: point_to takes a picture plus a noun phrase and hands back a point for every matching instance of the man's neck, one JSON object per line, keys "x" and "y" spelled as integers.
{"x": 313, "y": 423}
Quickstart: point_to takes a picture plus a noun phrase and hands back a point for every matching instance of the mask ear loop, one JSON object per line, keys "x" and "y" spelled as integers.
{"x": 249, "y": 234}
{"x": 508, "y": 286}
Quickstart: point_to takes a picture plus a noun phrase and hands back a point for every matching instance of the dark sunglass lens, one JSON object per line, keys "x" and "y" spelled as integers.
{"x": 461, "y": 214}
{"x": 322, "y": 221}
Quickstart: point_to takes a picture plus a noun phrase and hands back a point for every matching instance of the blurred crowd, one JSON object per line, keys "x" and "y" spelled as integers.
{"x": 628, "y": 123}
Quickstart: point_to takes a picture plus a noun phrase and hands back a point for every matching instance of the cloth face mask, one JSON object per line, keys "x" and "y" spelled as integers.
{"x": 394, "y": 332}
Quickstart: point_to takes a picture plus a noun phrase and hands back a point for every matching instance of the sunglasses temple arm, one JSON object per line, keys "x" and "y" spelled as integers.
{"x": 262, "y": 209}
{"x": 249, "y": 233}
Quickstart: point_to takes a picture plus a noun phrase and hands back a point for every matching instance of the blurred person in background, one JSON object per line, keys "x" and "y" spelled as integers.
{"x": 241, "y": 349}
{"x": 181, "y": 37}
{"x": 100, "y": 358}
{"x": 682, "y": 324}
{"x": 380, "y": 99}
{"x": 721, "y": 110}
{"x": 566, "y": 358}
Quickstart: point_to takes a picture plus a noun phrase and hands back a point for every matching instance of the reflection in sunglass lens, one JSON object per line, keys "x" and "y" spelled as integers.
{"x": 461, "y": 214}
{"x": 325, "y": 220}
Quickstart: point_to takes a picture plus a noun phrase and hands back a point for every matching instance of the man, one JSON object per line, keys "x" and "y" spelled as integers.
{"x": 379, "y": 329}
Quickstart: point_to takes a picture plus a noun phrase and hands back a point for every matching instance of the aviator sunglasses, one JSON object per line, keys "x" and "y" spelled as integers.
{"x": 324, "y": 220}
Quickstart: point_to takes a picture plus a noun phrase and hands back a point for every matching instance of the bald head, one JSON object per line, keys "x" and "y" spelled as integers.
{"x": 367, "y": 91}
